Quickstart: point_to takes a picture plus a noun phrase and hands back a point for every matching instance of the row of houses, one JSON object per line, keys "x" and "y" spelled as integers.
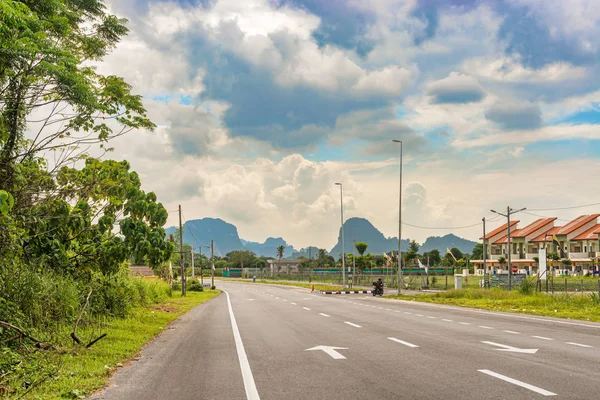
{"x": 578, "y": 239}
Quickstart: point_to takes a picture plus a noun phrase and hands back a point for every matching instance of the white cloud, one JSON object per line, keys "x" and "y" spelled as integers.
{"x": 509, "y": 69}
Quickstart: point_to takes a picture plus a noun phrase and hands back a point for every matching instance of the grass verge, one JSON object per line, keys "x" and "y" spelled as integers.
{"x": 584, "y": 307}
{"x": 76, "y": 373}
{"x": 318, "y": 286}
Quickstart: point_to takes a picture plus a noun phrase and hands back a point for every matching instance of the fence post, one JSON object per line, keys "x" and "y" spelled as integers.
{"x": 582, "y": 286}
{"x": 566, "y": 285}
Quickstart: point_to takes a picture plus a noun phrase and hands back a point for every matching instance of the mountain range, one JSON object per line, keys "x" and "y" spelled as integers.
{"x": 225, "y": 235}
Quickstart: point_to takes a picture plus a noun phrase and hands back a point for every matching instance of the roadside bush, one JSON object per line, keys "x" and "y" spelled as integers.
{"x": 527, "y": 286}
{"x": 194, "y": 286}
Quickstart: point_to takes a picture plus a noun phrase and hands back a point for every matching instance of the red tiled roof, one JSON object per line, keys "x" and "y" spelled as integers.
{"x": 498, "y": 230}
{"x": 590, "y": 234}
{"x": 502, "y": 240}
{"x": 577, "y": 223}
{"x": 534, "y": 226}
{"x": 547, "y": 236}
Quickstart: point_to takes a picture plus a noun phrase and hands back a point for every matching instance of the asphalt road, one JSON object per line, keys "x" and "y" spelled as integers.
{"x": 387, "y": 349}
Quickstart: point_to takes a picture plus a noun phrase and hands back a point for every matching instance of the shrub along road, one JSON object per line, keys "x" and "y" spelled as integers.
{"x": 270, "y": 342}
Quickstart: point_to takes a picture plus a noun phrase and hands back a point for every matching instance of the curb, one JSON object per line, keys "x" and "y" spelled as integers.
{"x": 346, "y": 292}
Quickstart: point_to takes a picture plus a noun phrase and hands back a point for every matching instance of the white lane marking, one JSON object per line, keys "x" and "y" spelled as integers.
{"x": 464, "y": 323}
{"x": 293, "y": 303}
{"x": 403, "y": 342}
{"x": 579, "y": 344}
{"x": 447, "y": 320}
{"x": 331, "y": 350}
{"x": 325, "y": 315}
{"x": 513, "y": 332}
{"x": 284, "y": 300}
{"x": 407, "y": 313}
{"x": 387, "y": 309}
{"x": 484, "y": 327}
{"x": 511, "y": 348}
{"x": 306, "y": 308}
{"x": 430, "y": 317}
{"x": 278, "y": 297}
{"x": 249, "y": 384}
{"x": 381, "y": 308}
{"x": 419, "y": 315}
{"x": 352, "y": 324}
{"x": 536, "y": 389}
{"x": 542, "y": 337}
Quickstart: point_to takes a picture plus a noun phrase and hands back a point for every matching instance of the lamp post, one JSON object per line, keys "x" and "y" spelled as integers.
{"x": 509, "y": 212}
{"x": 342, "y": 232}
{"x": 212, "y": 258}
{"x": 399, "y": 258}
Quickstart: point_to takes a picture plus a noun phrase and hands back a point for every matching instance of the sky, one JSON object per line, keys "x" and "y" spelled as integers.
{"x": 261, "y": 106}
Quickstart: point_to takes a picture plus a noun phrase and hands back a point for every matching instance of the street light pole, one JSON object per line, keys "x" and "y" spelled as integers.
{"x": 343, "y": 249}
{"x": 509, "y": 212}
{"x": 484, "y": 256}
{"x": 399, "y": 258}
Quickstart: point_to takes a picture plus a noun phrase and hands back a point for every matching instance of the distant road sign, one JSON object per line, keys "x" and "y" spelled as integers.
{"x": 515, "y": 269}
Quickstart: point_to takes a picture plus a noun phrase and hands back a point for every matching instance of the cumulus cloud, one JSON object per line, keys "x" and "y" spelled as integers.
{"x": 515, "y": 116}
{"x": 456, "y": 88}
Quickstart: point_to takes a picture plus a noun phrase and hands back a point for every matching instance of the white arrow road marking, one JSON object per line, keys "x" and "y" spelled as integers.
{"x": 511, "y": 348}
{"x": 403, "y": 342}
{"x": 579, "y": 344}
{"x": 331, "y": 350}
{"x": 351, "y": 324}
{"x": 536, "y": 389}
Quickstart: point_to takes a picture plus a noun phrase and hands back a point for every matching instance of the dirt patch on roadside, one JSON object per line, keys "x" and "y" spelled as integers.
{"x": 165, "y": 308}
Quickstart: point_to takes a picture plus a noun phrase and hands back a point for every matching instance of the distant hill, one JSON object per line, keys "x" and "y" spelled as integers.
{"x": 308, "y": 252}
{"x": 201, "y": 231}
{"x": 269, "y": 247}
{"x": 447, "y": 242}
{"x": 361, "y": 230}
{"x": 225, "y": 235}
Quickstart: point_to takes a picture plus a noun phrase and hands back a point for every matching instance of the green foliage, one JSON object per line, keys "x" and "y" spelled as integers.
{"x": 241, "y": 258}
{"x": 192, "y": 285}
{"x": 280, "y": 251}
{"x": 477, "y": 253}
{"x": 7, "y": 202}
{"x": 361, "y": 247}
{"x": 527, "y": 286}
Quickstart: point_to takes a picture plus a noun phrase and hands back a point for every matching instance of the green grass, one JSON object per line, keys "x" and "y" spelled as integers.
{"x": 563, "y": 305}
{"x": 75, "y": 373}
{"x": 318, "y": 286}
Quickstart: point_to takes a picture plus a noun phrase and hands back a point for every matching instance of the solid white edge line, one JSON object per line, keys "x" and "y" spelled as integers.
{"x": 542, "y": 337}
{"x": 579, "y": 344}
{"x": 403, "y": 342}
{"x": 325, "y": 315}
{"x": 536, "y": 389}
{"x": 247, "y": 377}
{"x": 352, "y": 324}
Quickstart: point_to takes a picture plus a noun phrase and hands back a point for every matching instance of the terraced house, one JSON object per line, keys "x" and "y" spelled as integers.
{"x": 578, "y": 241}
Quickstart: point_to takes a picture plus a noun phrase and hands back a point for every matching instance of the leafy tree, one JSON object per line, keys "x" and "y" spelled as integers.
{"x": 566, "y": 263}
{"x": 477, "y": 252}
{"x": 239, "y": 258}
{"x": 502, "y": 262}
{"x": 413, "y": 246}
{"x": 280, "y": 251}
{"x": 361, "y": 247}
{"x": 434, "y": 257}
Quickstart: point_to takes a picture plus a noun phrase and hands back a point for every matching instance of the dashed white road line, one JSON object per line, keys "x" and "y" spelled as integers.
{"x": 430, "y": 317}
{"x": 447, "y": 320}
{"x": 484, "y": 327}
{"x": 284, "y": 300}
{"x": 512, "y": 332}
{"x": 325, "y": 315}
{"x": 542, "y": 337}
{"x": 352, "y": 324}
{"x": 403, "y": 342}
{"x": 536, "y": 389}
{"x": 464, "y": 323}
{"x": 407, "y": 313}
{"x": 306, "y": 308}
{"x": 579, "y": 344}
{"x": 293, "y": 303}
{"x": 419, "y": 315}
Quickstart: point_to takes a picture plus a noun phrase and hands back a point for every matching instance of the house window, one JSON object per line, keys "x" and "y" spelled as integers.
{"x": 585, "y": 249}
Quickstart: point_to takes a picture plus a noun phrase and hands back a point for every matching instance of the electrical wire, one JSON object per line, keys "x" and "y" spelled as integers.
{"x": 543, "y": 216}
{"x": 451, "y": 227}
{"x": 564, "y": 208}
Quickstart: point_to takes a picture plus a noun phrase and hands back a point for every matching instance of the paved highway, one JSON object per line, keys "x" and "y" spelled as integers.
{"x": 272, "y": 343}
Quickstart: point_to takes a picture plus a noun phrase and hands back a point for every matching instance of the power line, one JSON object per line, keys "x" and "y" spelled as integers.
{"x": 450, "y": 227}
{"x": 543, "y": 216}
{"x": 564, "y": 208}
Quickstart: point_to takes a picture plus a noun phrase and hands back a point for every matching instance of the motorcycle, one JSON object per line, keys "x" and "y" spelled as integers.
{"x": 377, "y": 291}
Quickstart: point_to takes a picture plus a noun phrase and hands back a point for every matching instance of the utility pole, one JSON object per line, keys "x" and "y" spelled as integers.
{"x": 484, "y": 256}
{"x": 342, "y": 231}
{"x": 201, "y": 263}
{"x": 509, "y": 212}
{"x": 193, "y": 271}
{"x": 212, "y": 260}
{"x": 399, "y": 258}
{"x": 353, "y": 261}
{"x": 181, "y": 253}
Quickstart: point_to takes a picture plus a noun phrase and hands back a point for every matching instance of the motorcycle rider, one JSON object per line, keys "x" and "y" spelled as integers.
{"x": 379, "y": 285}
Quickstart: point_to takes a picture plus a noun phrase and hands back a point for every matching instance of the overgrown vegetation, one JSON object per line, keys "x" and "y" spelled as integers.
{"x": 69, "y": 222}
{"x": 583, "y": 306}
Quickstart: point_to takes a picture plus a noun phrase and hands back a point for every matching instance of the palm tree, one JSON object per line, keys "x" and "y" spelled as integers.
{"x": 280, "y": 251}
